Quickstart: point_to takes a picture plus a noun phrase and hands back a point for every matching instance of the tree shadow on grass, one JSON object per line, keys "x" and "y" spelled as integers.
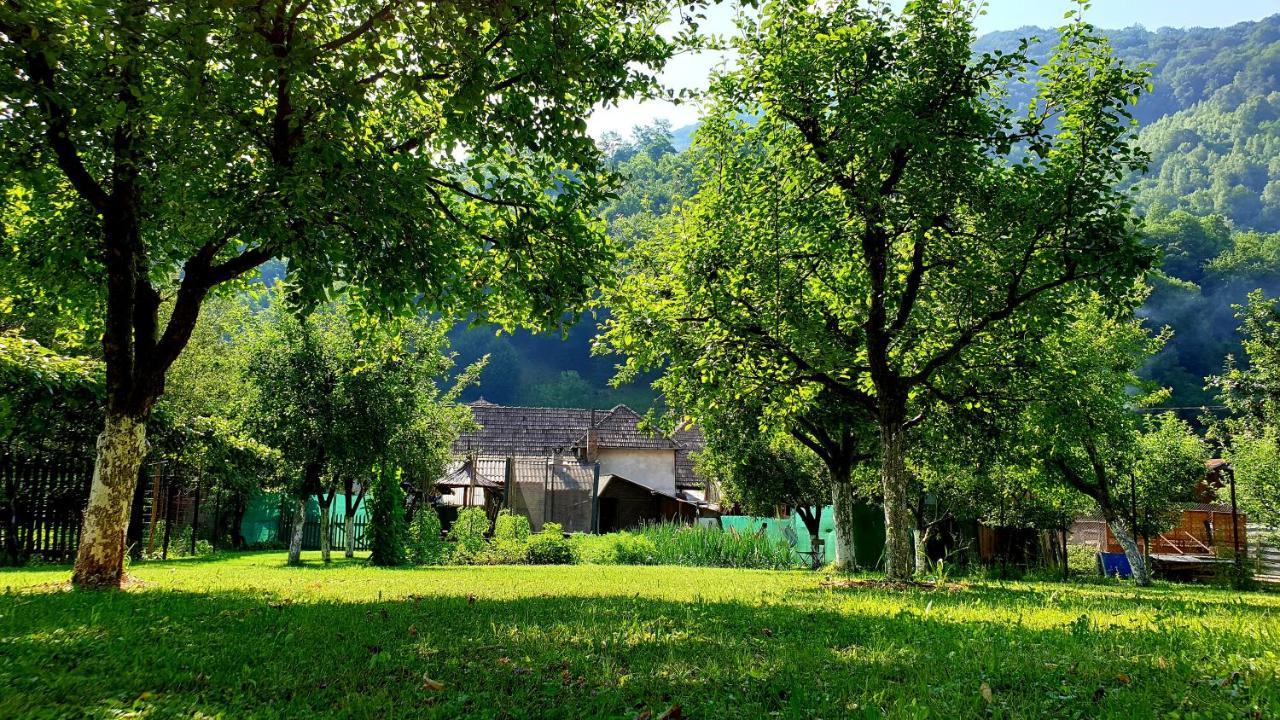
{"x": 170, "y": 653}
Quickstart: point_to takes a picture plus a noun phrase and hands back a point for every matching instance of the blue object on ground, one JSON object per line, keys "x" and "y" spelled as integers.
{"x": 1115, "y": 564}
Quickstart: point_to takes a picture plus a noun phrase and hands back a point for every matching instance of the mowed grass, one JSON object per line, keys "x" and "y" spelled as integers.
{"x": 245, "y": 636}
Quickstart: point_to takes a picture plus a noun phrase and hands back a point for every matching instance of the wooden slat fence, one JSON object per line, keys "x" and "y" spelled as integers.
{"x": 1264, "y": 551}
{"x": 42, "y": 504}
{"x": 337, "y": 533}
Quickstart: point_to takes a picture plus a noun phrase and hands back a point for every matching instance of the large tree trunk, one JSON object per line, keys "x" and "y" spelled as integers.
{"x": 121, "y": 449}
{"x": 898, "y": 550}
{"x": 843, "y": 503}
{"x": 1137, "y": 561}
{"x": 295, "y": 538}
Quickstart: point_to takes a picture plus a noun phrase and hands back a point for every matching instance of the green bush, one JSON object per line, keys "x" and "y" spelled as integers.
{"x": 467, "y": 535}
{"x": 386, "y": 510}
{"x": 514, "y": 528}
{"x": 550, "y": 547}
{"x": 426, "y": 547}
{"x": 632, "y": 549}
{"x": 510, "y": 543}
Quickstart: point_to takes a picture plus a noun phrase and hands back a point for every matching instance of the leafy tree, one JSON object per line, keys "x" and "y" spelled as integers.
{"x": 1168, "y": 467}
{"x": 1251, "y": 392}
{"x": 1255, "y": 461}
{"x": 1080, "y": 425}
{"x": 873, "y": 235}
{"x": 341, "y": 394}
{"x": 202, "y": 424}
{"x": 762, "y": 471}
{"x": 419, "y": 152}
{"x": 48, "y": 401}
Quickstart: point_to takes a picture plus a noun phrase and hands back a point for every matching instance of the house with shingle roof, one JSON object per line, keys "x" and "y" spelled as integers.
{"x": 555, "y": 458}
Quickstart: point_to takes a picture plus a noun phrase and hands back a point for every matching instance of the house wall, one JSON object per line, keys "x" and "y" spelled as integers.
{"x": 655, "y": 469}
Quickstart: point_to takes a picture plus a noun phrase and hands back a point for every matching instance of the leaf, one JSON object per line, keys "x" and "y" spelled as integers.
{"x": 431, "y": 685}
{"x": 985, "y": 689}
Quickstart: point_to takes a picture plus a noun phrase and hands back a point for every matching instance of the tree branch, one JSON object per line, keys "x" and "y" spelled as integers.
{"x": 381, "y": 15}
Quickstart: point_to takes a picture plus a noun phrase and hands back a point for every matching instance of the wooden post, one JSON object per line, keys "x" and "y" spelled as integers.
{"x": 171, "y": 491}
{"x": 155, "y": 509}
{"x": 471, "y": 482}
{"x": 595, "y": 499}
{"x": 509, "y": 478}
{"x": 1235, "y": 524}
{"x": 1066, "y": 558}
{"x": 195, "y": 515}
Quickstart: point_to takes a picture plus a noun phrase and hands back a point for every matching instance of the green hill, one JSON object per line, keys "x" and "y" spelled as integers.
{"x": 1211, "y": 197}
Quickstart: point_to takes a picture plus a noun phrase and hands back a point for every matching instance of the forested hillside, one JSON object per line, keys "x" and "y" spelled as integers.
{"x": 1211, "y": 200}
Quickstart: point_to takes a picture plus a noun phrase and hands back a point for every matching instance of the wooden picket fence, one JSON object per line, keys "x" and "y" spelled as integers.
{"x": 42, "y": 504}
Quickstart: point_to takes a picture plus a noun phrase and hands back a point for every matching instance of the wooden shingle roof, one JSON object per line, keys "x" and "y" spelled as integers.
{"x": 508, "y": 430}
{"x": 511, "y": 431}
{"x": 620, "y": 428}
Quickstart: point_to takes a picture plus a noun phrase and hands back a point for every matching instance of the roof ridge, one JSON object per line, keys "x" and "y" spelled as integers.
{"x": 531, "y": 407}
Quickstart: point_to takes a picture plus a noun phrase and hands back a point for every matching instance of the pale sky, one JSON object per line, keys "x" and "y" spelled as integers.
{"x": 693, "y": 71}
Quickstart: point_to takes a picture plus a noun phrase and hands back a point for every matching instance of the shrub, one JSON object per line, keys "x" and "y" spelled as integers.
{"x": 467, "y": 534}
{"x": 511, "y": 527}
{"x": 550, "y": 547}
{"x": 631, "y": 549}
{"x": 386, "y": 510}
{"x": 510, "y": 540}
{"x": 426, "y": 547}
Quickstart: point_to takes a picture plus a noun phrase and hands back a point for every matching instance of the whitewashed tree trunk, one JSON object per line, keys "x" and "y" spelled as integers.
{"x": 922, "y": 550}
{"x": 349, "y": 526}
{"x": 295, "y": 539}
{"x": 843, "y": 503}
{"x": 1137, "y": 561}
{"x": 121, "y": 448}
{"x": 324, "y": 535}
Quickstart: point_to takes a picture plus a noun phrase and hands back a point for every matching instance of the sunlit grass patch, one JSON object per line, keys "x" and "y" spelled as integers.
{"x": 243, "y": 635}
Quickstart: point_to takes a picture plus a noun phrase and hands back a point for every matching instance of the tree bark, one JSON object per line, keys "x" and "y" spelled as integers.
{"x": 812, "y": 519}
{"x": 843, "y": 503}
{"x": 295, "y": 538}
{"x": 349, "y": 531}
{"x": 349, "y": 515}
{"x": 922, "y": 536}
{"x": 324, "y": 535}
{"x": 899, "y": 553}
{"x": 121, "y": 449}
{"x": 1137, "y": 561}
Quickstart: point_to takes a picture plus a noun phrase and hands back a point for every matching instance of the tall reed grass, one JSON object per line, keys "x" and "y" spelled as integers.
{"x": 672, "y": 544}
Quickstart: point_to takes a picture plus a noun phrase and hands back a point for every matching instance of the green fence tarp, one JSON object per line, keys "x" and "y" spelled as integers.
{"x": 868, "y": 532}
{"x": 262, "y": 515}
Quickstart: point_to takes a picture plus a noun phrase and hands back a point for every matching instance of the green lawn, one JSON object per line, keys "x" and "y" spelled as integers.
{"x": 244, "y": 636}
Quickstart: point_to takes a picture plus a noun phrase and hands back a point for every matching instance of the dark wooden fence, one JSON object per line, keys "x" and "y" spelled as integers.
{"x": 337, "y": 533}
{"x": 41, "y": 504}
